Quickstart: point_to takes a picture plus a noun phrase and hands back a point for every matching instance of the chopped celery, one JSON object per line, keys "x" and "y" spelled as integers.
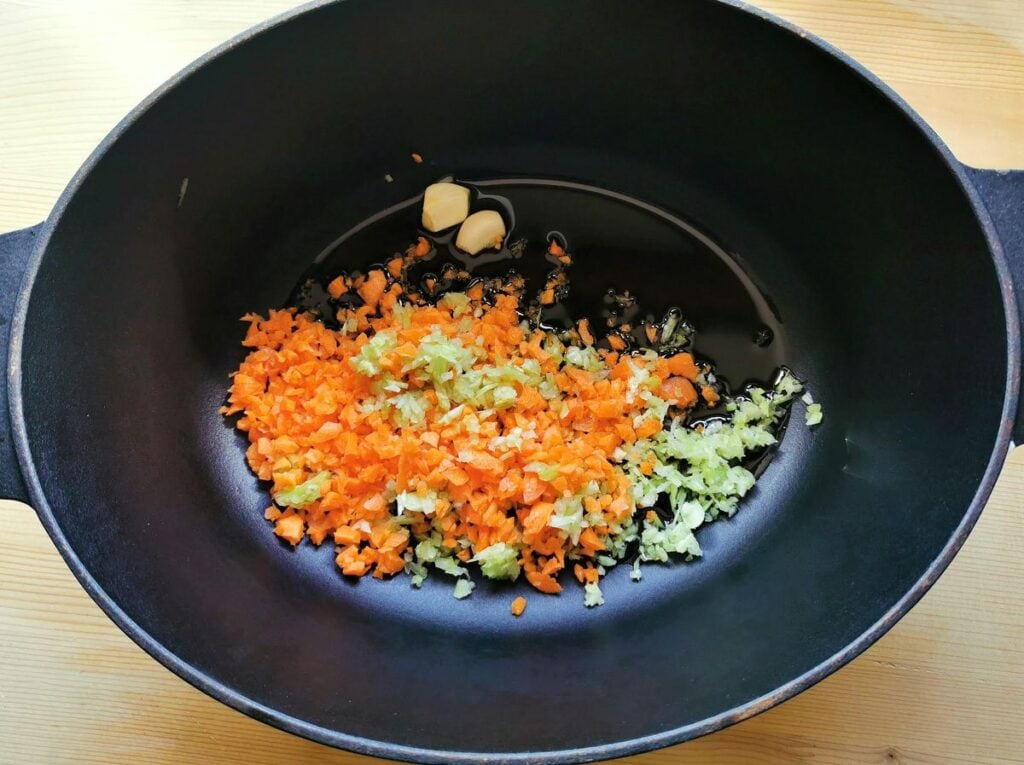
{"x": 306, "y": 493}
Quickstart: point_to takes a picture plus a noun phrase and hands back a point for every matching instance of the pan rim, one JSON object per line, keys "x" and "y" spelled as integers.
{"x": 379, "y": 748}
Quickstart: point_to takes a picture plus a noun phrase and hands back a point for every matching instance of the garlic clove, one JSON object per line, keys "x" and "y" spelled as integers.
{"x": 444, "y": 205}
{"x": 480, "y": 231}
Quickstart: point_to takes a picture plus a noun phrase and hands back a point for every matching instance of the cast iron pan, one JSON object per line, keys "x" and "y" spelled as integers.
{"x": 855, "y": 230}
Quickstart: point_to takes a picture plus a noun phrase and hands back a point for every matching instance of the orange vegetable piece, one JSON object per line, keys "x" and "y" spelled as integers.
{"x": 591, "y": 542}
{"x": 373, "y": 287}
{"x": 584, "y": 329}
{"x": 346, "y": 535}
{"x": 682, "y": 364}
{"x": 680, "y": 390}
{"x": 482, "y": 461}
{"x": 337, "y": 287}
{"x": 518, "y": 606}
{"x": 543, "y": 582}
{"x": 421, "y": 249}
{"x": 537, "y": 518}
{"x": 710, "y": 395}
{"x": 290, "y": 528}
{"x": 577, "y": 571}
{"x": 648, "y": 428}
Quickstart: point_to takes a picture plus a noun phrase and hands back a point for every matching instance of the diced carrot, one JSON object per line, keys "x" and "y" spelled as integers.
{"x": 518, "y": 606}
{"x": 710, "y": 395}
{"x": 537, "y": 518}
{"x": 395, "y": 267}
{"x": 482, "y": 461}
{"x": 494, "y": 474}
{"x": 337, "y": 287}
{"x": 648, "y": 428}
{"x": 584, "y": 329}
{"x": 350, "y": 563}
{"x": 373, "y": 287}
{"x": 625, "y": 431}
{"x": 590, "y": 541}
{"x": 680, "y": 390}
{"x": 543, "y": 582}
{"x": 422, "y": 248}
{"x": 682, "y": 364}
{"x": 346, "y": 535}
{"x": 290, "y": 528}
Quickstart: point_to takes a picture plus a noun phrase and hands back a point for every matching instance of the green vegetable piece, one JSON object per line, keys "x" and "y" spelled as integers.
{"x": 450, "y": 566}
{"x": 813, "y": 415}
{"x": 463, "y": 588}
{"x": 499, "y": 561}
{"x": 306, "y": 493}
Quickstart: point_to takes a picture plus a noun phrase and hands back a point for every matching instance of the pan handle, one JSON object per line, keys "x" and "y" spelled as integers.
{"x": 15, "y": 251}
{"x": 1002, "y": 191}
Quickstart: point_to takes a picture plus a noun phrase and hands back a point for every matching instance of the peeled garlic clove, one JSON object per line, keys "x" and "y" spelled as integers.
{"x": 480, "y": 231}
{"x": 444, "y": 205}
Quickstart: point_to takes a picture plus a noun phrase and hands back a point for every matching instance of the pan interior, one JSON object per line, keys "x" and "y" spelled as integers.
{"x": 775, "y": 187}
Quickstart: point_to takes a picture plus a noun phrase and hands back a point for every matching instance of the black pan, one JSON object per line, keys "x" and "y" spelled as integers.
{"x": 889, "y": 283}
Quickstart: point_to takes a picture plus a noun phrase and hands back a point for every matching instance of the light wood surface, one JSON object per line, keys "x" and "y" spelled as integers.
{"x": 946, "y": 685}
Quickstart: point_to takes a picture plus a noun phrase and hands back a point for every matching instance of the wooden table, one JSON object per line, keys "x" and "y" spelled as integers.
{"x": 946, "y": 685}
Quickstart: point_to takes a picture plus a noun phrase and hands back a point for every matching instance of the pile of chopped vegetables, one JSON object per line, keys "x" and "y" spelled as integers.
{"x": 442, "y": 432}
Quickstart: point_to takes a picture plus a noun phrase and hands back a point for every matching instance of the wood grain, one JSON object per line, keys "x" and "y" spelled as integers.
{"x": 946, "y": 685}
